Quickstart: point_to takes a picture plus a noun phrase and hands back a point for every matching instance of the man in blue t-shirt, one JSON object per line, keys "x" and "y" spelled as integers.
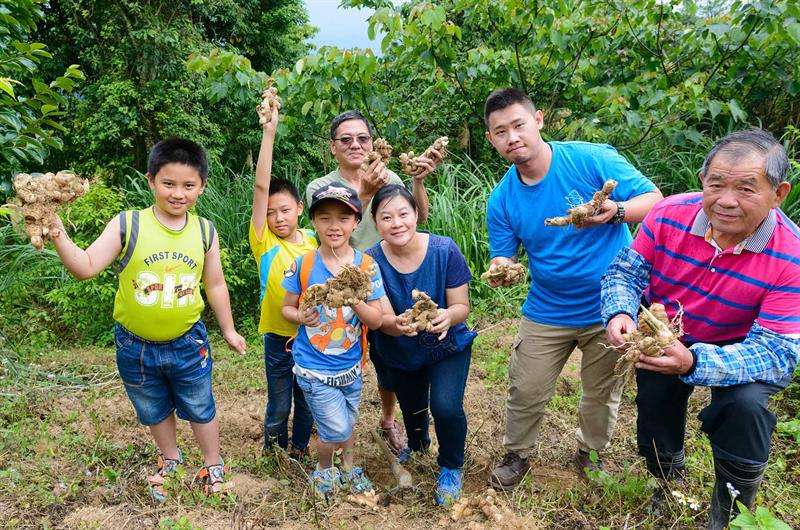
{"x": 562, "y": 310}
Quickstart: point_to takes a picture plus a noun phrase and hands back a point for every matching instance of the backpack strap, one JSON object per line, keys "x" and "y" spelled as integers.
{"x": 207, "y": 233}
{"x": 306, "y": 264}
{"x": 128, "y": 235}
{"x": 366, "y": 261}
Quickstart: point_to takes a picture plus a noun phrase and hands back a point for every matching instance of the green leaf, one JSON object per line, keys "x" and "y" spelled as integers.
{"x": 298, "y": 66}
{"x": 306, "y": 107}
{"x": 40, "y": 87}
{"x": 793, "y": 30}
{"x": 64, "y": 83}
{"x": 736, "y": 111}
{"x": 5, "y": 86}
{"x": 714, "y": 107}
{"x": 47, "y": 109}
{"x": 720, "y": 30}
{"x": 242, "y": 78}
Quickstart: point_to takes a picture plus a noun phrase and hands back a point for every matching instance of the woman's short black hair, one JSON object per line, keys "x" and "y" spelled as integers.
{"x": 388, "y": 192}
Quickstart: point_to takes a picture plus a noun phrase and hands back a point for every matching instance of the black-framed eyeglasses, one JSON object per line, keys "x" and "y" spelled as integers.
{"x": 362, "y": 139}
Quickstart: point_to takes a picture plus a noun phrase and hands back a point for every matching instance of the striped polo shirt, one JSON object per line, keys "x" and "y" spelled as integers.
{"x": 722, "y": 291}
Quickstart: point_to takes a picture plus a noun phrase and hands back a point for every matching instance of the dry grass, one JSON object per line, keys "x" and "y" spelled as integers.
{"x": 80, "y": 461}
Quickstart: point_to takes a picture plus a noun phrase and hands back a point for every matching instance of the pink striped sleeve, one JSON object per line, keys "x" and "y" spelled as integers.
{"x": 780, "y": 309}
{"x": 644, "y": 242}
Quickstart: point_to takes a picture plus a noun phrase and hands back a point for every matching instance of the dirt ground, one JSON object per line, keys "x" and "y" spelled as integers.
{"x": 241, "y": 417}
{"x": 271, "y": 491}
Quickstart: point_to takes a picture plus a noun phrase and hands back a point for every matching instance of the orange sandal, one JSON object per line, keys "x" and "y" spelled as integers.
{"x": 166, "y": 468}
{"x": 211, "y": 476}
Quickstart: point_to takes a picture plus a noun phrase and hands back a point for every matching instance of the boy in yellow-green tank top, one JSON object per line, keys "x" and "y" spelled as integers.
{"x": 163, "y": 353}
{"x": 276, "y": 243}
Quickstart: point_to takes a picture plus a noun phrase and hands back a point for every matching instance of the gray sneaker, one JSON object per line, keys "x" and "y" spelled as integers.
{"x": 509, "y": 472}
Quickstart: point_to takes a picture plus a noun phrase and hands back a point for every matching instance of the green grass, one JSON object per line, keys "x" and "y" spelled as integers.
{"x": 69, "y": 440}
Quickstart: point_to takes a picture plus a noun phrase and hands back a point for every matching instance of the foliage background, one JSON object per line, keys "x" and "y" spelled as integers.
{"x": 659, "y": 80}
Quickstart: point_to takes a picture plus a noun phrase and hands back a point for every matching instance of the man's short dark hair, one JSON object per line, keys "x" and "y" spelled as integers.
{"x": 284, "y": 186}
{"x": 505, "y": 97}
{"x": 346, "y": 116}
{"x": 754, "y": 141}
{"x": 179, "y": 151}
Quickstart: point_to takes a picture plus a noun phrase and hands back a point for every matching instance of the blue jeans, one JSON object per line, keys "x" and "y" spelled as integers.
{"x": 442, "y": 386}
{"x": 162, "y": 377}
{"x": 281, "y": 386}
{"x": 335, "y": 408}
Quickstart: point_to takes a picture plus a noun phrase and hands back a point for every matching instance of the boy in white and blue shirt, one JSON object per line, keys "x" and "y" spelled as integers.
{"x": 328, "y": 349}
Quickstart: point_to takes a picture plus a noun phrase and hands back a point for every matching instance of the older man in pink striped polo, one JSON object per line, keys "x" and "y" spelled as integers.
{"x": 731, "y": 258}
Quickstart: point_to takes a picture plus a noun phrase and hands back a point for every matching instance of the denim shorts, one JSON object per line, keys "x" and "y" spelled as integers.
{"x": 335, "y": 409}
{"x": 161, "y": 377}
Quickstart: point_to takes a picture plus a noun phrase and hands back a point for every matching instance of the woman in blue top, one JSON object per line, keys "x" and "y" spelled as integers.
{"x": 428, "y": 369}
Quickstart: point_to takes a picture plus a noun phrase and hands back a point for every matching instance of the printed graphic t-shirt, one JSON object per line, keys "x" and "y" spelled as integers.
{"x": 334, "y": 345}
{"x": 158, "y": 297}
{"x": 274, "y": 257}
{"x": 565, "y": 264}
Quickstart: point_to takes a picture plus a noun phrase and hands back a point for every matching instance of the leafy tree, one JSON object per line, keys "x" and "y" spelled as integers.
{"x": 139, "y": 89}
{"x": 634, "y": 74}
{"x": 30, "y": 108}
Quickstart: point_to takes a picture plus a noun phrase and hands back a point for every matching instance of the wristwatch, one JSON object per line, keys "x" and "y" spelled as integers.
{"x": 619, "y": 217}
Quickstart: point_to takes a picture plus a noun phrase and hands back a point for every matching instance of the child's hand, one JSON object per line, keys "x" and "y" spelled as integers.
{"x": 309, "y": 317}
{"x": 235, "y": 342}
{"x": 56, "y": 229}
{"x": 441, "y": 323}
{"x": 272, "y": 125}
{"x": 401, "y": 323}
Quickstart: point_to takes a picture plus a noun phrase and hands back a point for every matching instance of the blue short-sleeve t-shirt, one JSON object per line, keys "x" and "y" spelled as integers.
{"x": 565, "y": 264}
{"x": 443, "y": 267}
{"x": 335, "y": 344}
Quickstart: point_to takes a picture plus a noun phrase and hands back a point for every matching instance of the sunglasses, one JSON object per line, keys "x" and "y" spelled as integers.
{"x": 362, "y": 139}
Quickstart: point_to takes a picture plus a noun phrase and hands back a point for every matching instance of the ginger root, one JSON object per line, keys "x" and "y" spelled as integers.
{"x": 436, "y": 152}
{"x": 420, "y": 315}
{"x": 368, "y": 499}
{"x": 513, "y": 273}
{"x": 269, "y": 99}
{"x": 380, "y": 149}
{"x": 347, "y": 288}
{"x": 39, "y": 197}
{"x": 485, "y": 508}
{"x": 579, "y": 214}
{"x": 655, "y": 331}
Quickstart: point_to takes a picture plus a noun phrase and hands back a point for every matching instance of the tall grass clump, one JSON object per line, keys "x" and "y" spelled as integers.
{"x": 458, "y": 197}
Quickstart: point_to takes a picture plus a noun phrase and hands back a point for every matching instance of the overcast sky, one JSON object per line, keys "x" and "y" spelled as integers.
{"x": 345, "y": 28}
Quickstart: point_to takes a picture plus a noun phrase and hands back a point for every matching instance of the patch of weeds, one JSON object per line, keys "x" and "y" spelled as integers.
{"x": 760, "y": 519}
{"x": 790, "y": 429}
{"x": 607, "y": 493}
{"x": 185, "y": 489}
{"x": 181, "y": 524}
{"x": 496, "y": 365}
{"x": 567, "y": 397}
{"x": 235, "y": 373}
